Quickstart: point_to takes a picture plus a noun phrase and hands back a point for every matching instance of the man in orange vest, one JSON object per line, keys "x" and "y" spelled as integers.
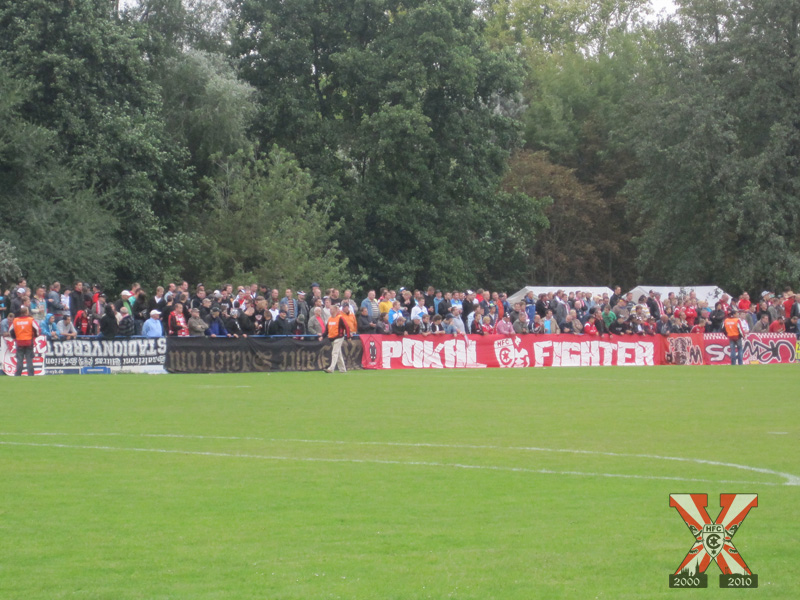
{"x": 346, "y": 312}
{"x": 733, "y": 329}
{"x": 25, "y": 329}
{"x": 337, "y": 329}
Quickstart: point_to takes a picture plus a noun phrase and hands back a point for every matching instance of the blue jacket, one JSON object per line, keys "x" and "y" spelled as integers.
{"x": 153, "y": 328}
{"x": 217, "y": 328}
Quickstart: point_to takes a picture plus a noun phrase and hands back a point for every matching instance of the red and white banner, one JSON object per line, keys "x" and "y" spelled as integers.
{"x": 714, "y": 349}
{"x": 491, "y": 351}
{"x": 479, "y": 352}
{"x": 8, "y": 356}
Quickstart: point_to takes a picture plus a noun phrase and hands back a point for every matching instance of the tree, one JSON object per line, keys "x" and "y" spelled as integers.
{"x": 395, "y": 108}
{"x": 90, "y": 86}
{"x": 263, "y": 227}
{"x": 206, "y": 107}
{"x": 9, "y": 266}
{"x": 582, "y": 58}
{"x": 573, "y": 248}
{"x": 718, "y": 195}
{"x": 59, "y": 228}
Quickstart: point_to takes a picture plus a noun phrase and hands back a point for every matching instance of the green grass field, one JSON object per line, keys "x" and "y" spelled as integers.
{"x": 391, "y": 485}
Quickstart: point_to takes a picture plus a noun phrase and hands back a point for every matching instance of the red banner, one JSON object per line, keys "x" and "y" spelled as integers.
{"x": 478, "y": 352}
{"x": 713, "y": 349}
{"x": 491, "y": 351}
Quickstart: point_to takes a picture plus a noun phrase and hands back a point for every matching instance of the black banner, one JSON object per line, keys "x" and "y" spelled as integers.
{"x": 248, "y": 355}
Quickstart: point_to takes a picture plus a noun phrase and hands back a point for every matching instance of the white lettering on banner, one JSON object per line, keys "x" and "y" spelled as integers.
{"x": 541, "y": 350}
{"x": 106, "y": 348}
{"x": 390, "y": 350}
{"x": 452, "y": 353}
{"x": 646, "y": 353}
{"x": 608, "y": 350}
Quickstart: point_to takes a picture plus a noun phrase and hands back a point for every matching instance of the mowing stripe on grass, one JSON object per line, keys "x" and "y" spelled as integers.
{"x": 793, "y": 480}
{"x": 387, "y": 462}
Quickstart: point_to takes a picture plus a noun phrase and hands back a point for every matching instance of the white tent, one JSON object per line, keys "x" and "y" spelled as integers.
{"x": 544, "y": 289}
{"x": 709, "y": 293}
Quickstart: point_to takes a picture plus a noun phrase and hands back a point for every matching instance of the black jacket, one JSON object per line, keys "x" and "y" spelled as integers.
{"x": 280, "y": 327}
{"x": 108, "y": 324}
{"x": 365, "y": 325}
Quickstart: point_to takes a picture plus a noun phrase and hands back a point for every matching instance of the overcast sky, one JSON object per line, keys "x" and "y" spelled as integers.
{"x": 659, "y": 5}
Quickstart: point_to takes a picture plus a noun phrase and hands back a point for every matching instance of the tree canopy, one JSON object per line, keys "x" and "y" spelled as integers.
{"x": 400, "y": 142}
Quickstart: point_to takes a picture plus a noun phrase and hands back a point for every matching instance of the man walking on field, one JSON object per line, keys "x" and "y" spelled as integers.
{"x": 733, "y": 329}
{"x": 337, "y": 329}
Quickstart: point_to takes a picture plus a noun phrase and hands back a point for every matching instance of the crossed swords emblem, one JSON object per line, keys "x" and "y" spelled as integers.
{"x": 713, "y": 540}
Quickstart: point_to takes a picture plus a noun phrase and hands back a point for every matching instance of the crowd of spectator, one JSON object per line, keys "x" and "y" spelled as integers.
{"x": 257, "y": 310}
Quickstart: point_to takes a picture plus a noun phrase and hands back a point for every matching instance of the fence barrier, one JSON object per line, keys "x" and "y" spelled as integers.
{"x": 89, "y": 355}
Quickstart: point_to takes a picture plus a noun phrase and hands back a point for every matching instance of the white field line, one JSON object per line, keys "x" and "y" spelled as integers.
{"x": 793, "y": 480}
{"x": 386, "y": 462}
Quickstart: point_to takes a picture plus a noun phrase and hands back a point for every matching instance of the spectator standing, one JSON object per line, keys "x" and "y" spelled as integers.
{"x": 39, "y": 305}
{"x": 152, "y": 328}
{"x": 302, "y": 306}
{"x": 5, "y": 325}
{"x": 76, "y": 302}
{"x": 733, "y": 329}
{"x": 316, "y": 324}
{"x": 25, "y": 329}
{"x": 281, "y": 325}
{"x": 762, "y": 326}
{"x": 177, "y": 325}
{"x": 247, "y": 322}
{"x": 197, "y": 326}
{"x": 54, "y": 301}
{"x": 126, "y": 326}
{"x": 289, "y": 305}
{"x": 664, "y": 327}
{"x": 348, "y": 315}
{"x": 216, "y": 327}
{"x": 778, "y": 325}
{"x": 372, "y": 306}
{"x": 445, "y": 304}
{"x": 792, "y": 326}
{"x": 108, "y": 323}
{"x": 504, "y": 326}
{"x": 521, "y": 324}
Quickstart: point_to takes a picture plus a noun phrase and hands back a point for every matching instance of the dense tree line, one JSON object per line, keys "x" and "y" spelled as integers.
{"x": 366, "y": 142}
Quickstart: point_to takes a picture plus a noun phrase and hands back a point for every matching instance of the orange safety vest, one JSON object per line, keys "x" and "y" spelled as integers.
{"x": 350, "y": 319}
{"x": 732, "y": 328}
{"x": 24, "y": 330}
{"x": 333, "y": 327}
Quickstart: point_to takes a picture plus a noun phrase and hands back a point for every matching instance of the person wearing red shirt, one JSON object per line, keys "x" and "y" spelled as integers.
{"x": 777, "y": 326}
{"x": 691, "y": 313}
{"x": 590, "y": 328}
{"x": 744, "y": 301}
{"x": 176, "y": 323}
{"x": 700, "y": 327}
{"x": 787, "y": 303}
